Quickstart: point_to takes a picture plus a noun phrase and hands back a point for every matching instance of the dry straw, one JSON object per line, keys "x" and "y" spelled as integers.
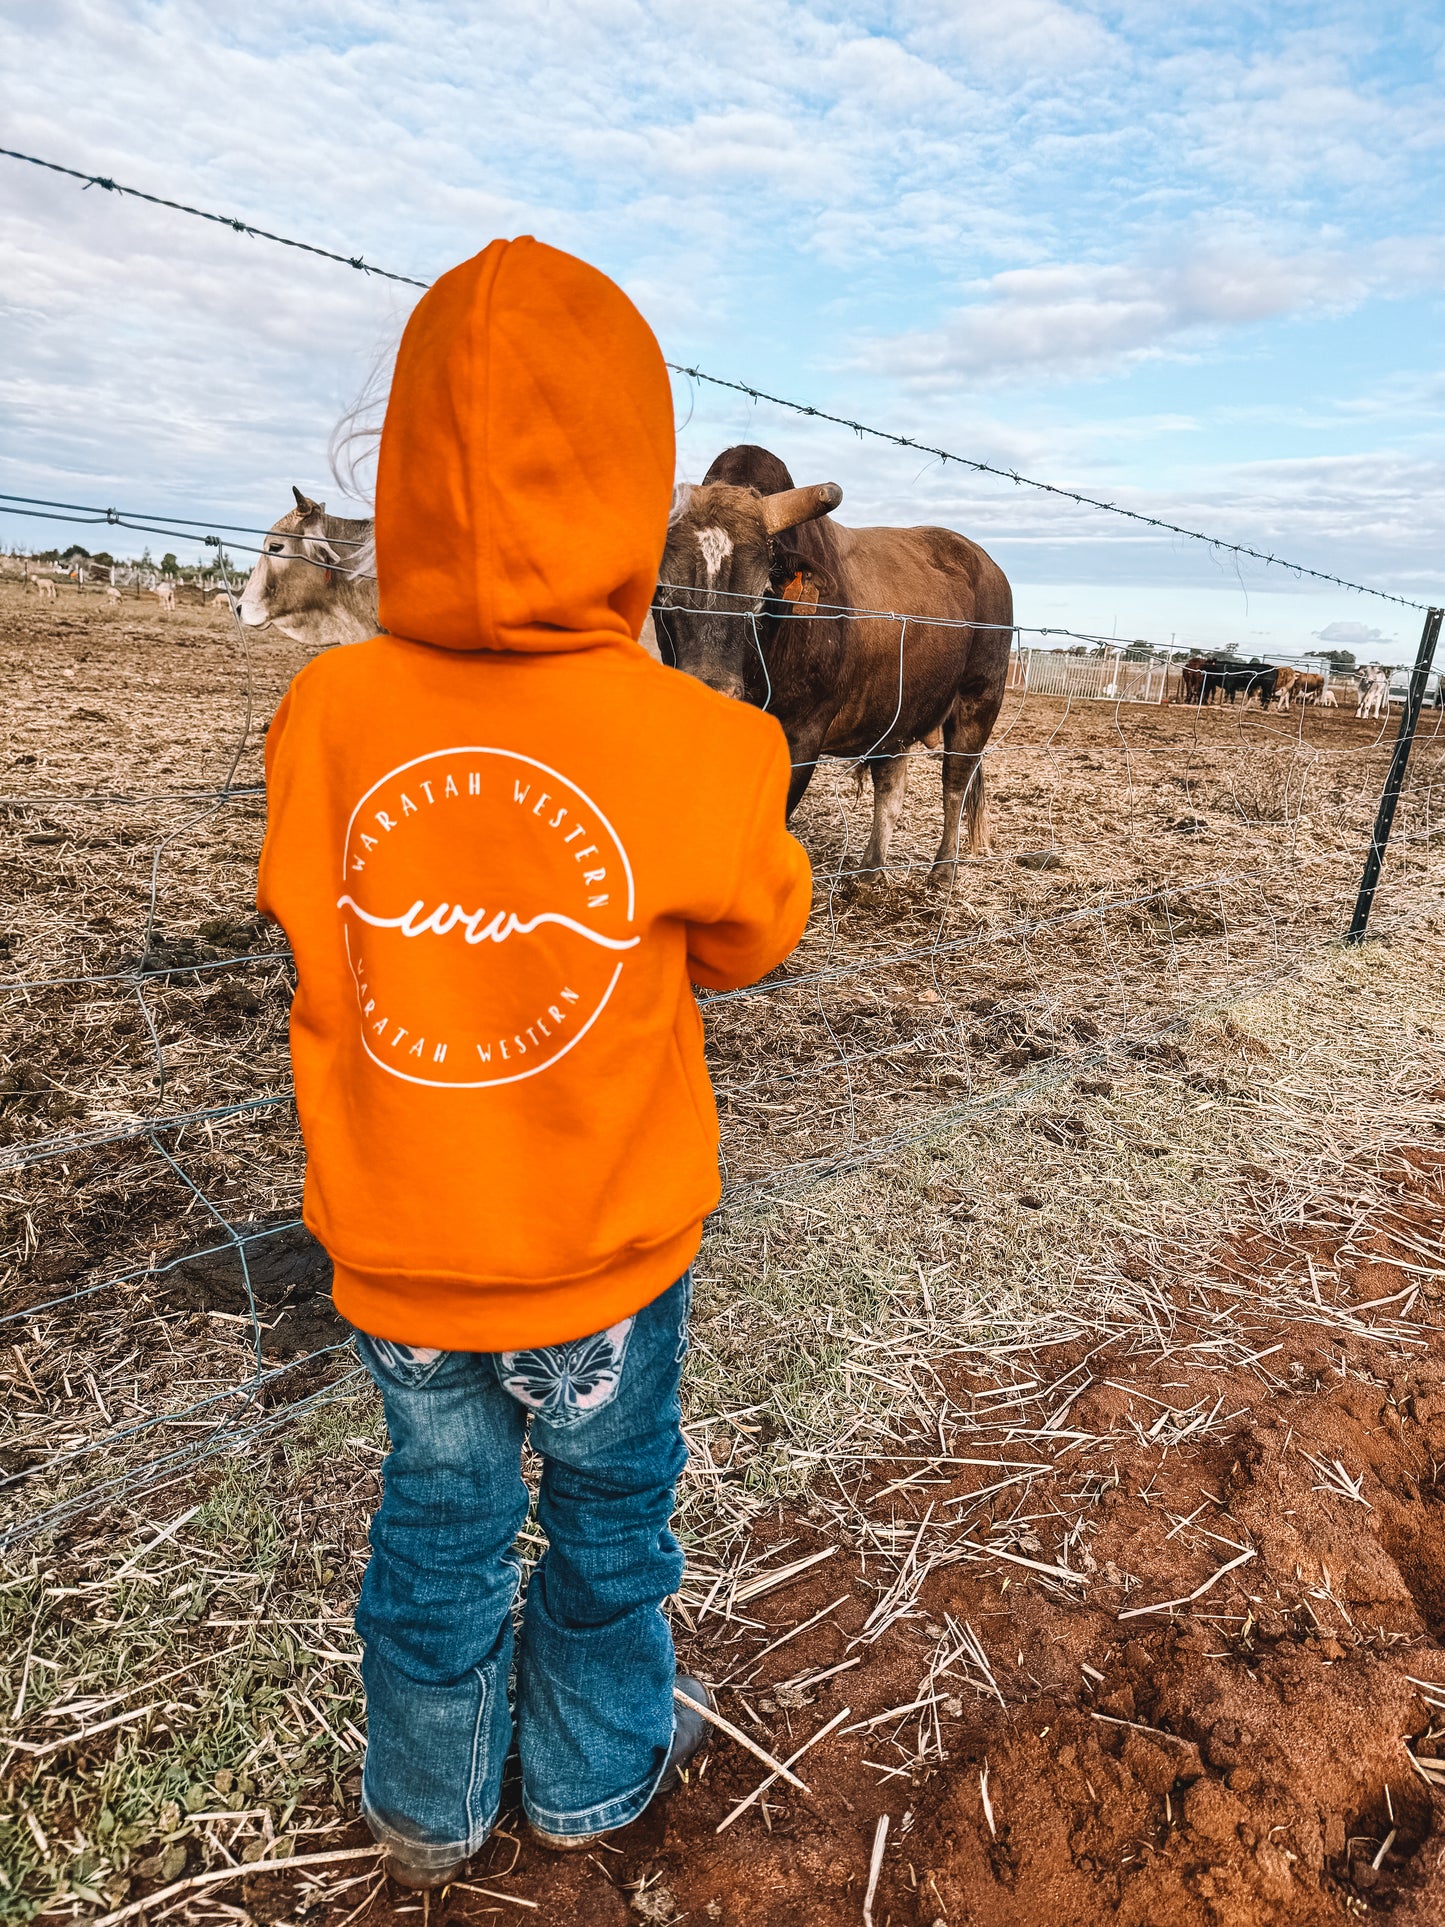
{"x": 961, "y": 1129}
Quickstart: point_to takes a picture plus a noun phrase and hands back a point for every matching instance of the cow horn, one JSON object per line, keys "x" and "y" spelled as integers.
{"x": 795, "y": 505}
{"x": 306, "y": 506}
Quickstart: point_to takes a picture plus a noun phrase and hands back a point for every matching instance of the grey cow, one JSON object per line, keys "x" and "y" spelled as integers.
{"x": 315, "y": 579}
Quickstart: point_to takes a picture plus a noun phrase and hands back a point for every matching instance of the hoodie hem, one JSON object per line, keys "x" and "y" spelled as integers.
{"x": 458, "y": 1314}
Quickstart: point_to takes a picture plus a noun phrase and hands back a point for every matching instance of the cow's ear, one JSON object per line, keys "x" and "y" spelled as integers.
{"x": 784, "y": 562}
{"x": 318, "y": 551}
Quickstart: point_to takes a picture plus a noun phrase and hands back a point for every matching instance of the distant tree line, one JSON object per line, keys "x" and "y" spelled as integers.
{"x": 170, "y": 565}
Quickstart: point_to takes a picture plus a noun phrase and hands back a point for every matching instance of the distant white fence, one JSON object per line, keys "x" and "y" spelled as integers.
{"x": 1105, "y": 678}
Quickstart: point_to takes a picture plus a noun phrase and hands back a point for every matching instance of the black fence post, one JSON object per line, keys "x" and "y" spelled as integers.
{"x": 1395, "y": 781}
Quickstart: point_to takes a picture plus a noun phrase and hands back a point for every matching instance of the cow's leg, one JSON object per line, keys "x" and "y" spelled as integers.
{"x": 804, "y": 749}
{"x": 890, "y": 788}
{"x": 965, "y": 731}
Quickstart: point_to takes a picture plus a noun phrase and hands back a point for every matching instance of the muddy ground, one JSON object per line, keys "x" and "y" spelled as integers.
{"x": 1082, "y": 1238}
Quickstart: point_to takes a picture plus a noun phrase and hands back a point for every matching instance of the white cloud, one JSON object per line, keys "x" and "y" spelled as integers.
{"x": 1362, "y": 639}
{"x": 1297, "y": 117}
{"x": 1082, "y": 318}
{"x": 992, "y": 195}
{"x": 1033, "y": 35}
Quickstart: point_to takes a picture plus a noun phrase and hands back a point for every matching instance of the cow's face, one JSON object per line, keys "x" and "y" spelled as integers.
{"x": 721, "y": 557}
{"x": 293, "y": 576}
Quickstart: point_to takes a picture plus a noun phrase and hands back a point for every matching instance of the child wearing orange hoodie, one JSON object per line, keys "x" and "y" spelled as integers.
{"x": 503, "y": 842}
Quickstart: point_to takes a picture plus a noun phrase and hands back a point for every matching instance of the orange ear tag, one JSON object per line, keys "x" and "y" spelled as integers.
{"x": 796, "y": 591}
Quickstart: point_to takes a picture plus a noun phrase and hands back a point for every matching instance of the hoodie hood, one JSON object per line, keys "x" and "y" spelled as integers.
{"x": 526, "y": 463}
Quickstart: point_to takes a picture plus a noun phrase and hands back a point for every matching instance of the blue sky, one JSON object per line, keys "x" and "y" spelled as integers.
{"x": 1188, "y": 256}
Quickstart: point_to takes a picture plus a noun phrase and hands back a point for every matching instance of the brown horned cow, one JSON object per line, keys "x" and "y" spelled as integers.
{"x": 758, "y": 597}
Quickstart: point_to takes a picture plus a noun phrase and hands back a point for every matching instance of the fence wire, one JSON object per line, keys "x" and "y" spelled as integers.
{"x": 1153, "y": 863}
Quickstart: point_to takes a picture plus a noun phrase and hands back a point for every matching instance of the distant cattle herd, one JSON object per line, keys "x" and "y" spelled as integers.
{"x": 1224, "y": 679}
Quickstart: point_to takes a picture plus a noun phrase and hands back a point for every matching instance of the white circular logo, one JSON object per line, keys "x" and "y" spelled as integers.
{"x": 487, "y": 905}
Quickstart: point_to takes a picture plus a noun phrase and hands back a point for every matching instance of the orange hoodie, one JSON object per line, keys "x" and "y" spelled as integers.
{"x": 502, "y": 840}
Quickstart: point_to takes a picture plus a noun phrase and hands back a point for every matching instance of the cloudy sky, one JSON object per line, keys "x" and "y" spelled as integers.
{"x": 1187, "y": 254}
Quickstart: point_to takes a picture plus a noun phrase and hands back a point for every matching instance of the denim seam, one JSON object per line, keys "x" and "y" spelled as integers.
{"x": 430, "y": 1854}
{"x": 683, "y": 1334}
{"x": 603, "y": 1818}
{"x": 483, "y": 1703}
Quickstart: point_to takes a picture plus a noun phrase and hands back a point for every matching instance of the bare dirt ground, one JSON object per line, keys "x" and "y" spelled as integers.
{"x": 1068, "y": 1391}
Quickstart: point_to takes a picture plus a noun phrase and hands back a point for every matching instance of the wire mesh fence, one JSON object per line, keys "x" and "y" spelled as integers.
{"x": 164, "y": 1305}
{"x": 162, "y": 1302}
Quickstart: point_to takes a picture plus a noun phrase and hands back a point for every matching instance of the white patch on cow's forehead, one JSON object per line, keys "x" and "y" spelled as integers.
{"x": 716, "y": 546}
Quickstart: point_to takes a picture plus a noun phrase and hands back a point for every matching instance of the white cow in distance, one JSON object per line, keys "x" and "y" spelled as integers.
{"x": 44, "y": 587}
{"x": 112, "y": 596}
{"x": 1374, "y": 691}
{"x": 165, "y": 594}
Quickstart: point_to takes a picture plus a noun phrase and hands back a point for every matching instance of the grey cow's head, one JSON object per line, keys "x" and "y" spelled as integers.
{"x": 297, "y": 581}
{"x": 724, "y": 553}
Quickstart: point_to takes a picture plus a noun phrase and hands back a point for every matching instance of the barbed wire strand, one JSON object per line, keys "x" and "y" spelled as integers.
{"x": 221, "y": 220}
{"x": 1218, "y": 544}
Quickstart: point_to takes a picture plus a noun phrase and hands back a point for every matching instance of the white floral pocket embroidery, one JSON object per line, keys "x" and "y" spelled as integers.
{"x": 567, "y": 1380}
{"x": 405, "y": 1360}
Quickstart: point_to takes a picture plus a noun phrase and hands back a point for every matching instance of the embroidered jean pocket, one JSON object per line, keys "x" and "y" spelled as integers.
{"x": 398, "y": 1364}
{"x": 565, "y": 1383}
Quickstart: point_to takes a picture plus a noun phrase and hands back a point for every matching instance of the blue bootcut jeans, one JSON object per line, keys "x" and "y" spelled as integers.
{"x": 594, "y": 1670}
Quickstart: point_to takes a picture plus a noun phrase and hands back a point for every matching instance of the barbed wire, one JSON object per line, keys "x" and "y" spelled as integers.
{"x": 221, "y": 220}
{"x": 1218, "y": 544}
{"x": 183, "y": 525}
